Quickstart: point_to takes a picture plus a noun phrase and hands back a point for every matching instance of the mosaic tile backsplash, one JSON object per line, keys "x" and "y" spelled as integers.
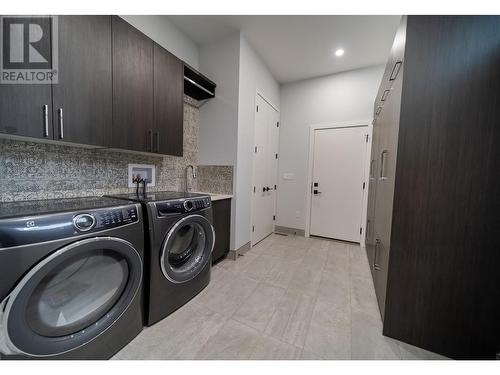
{"x": 30, "y": 171}
{"x": 215, "y": 179}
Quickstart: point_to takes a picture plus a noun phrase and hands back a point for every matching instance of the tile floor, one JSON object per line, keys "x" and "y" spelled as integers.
{"x": 287, "y": 298}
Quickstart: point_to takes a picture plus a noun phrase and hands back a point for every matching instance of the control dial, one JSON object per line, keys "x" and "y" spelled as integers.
{"x": 188, "y": 205}
{"x": 84, "y": 222}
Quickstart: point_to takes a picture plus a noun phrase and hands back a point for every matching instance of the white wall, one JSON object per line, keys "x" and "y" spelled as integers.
{"x": 345, "y": 97}
{"x": 219, "y": 61}
{"x": 166, "y": 34}
{"x": 218, "y": 137}
{"x": 254, "y": 76}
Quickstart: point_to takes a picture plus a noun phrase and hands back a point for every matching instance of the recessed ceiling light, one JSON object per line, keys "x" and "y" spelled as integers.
{"x": 339, "y": 52}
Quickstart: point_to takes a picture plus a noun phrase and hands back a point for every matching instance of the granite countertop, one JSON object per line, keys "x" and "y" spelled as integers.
{"x": 215, "y": 196}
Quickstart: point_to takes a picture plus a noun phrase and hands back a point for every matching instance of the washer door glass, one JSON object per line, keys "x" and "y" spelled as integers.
{"x": 72, "y": 296}
{"x": 76, "y": 293}
{"x": 187, "y": 248}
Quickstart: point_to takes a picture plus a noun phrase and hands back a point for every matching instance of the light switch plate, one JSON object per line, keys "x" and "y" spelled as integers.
{"x": 146, "y": 171}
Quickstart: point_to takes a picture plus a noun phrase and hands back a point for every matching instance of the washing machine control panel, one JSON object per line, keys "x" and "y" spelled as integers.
{"x": 115, "y": 217}
{"x": 181, "y": 206}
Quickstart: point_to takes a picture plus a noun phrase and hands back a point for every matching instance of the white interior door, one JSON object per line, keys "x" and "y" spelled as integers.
{"x": 337, "y": 176}
{"x": 265, "y": 170}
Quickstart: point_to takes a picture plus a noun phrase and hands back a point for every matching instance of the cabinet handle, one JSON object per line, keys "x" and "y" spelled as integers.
{"x": 376, "y": 266}
{"x": 368, "y": 229}
{"x": 158, "y": 141}
{"x": 61, "y": 123}
{"x": 383, "y": 157}
{"x": 385, "y": 95}
{"x": 372, "y": 171}
{"x": 379, "y": 109}
{"x": 150, "y": 147}
{"x": 45, "y": 110}
{"x": 395, "y": 71}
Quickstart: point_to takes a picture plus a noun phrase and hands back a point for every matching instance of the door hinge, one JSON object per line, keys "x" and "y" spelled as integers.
{"x": 255, "y": 149}
{"x": 276, "y": 156}
{"x": 254, "y": 189}
{"x": 275, "y": 187}
{"x": 278, "y": 124}
{"x": 274, "y": 217}
{"x": 257, "y": 108}
{"x": 360, "y": 230}
{"x": 363, "y": 186}
{"x": 253, "y": 228}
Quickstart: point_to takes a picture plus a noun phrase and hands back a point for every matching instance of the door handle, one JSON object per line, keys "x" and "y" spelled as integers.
{"x": 61, "y": 123}
{"x": 383, "y": 160}
{"x": 376, "y": 266}
{"x": 45, "y": 111}
{"x": 316, "y": 192}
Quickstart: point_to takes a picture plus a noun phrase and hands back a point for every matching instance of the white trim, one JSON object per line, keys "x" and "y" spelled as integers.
{"x": 268, "y": 101}
{"x": 310, "y": 161}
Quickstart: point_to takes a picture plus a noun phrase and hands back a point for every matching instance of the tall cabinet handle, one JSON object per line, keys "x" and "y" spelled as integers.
{"x": 395, "y": 70}
{"x": 376, "y": 266}
{"x": 383, "y": 161}
{"x": 150, "y": 146}
{"x": 372, "y": 169}
{"x": 157, "y": 141}
{"x": 61, "y": 123}
{"x": 45, "y": 110}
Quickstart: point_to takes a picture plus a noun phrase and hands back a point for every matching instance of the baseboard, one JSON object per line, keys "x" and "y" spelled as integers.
{"x": 234, "y": 254}
{"x": 287, "y": 230}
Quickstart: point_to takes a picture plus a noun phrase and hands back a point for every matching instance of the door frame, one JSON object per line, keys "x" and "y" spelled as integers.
{"x": 310, "y": 165}
{"x": 252, "y": 213}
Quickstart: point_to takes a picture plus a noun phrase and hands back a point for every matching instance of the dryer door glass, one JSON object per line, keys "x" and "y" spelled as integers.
{"x": 76, "y": 293}
{"x": 187, "y": 248}
{"x": 72, "y": 296}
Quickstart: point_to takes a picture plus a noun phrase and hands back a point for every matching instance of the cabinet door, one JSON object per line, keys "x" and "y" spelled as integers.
{"x": 25, "y": 109}
{"x": 83, "y": 97}
{"x": 222, "y": 225}
{"x": 132, "y": 88}
{"x": 168, "y": 102}
{"x": 372, "y": 194}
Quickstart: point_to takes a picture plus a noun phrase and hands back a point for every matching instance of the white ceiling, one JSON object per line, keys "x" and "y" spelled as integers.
{"x": 300, "y": 47}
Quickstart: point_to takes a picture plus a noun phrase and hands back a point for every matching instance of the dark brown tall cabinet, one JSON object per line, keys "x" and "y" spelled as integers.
{"x": 132, "y": 88}
{"x": 168, "y": 102}
{"x": 82, "y": 109}
{"x": 432, "y": 233}
{"x": 77, "y": 109}
{"x": 148, "y": 89}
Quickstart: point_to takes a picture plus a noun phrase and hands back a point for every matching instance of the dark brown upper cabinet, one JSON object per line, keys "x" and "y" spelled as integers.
{"x": 132, "y": 88}
{"x": 25, "y": 109}
{"x": 168, "y": 103}
{"x": 82, "y": 100}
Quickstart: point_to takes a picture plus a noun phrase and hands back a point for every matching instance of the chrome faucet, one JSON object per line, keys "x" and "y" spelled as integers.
{"x": 193, "y": 174}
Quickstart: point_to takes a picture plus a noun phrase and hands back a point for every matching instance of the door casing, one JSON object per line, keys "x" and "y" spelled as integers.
{"x": 366, "y": 171}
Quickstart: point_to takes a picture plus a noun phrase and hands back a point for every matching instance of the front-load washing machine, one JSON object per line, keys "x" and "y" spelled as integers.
{"x": 71, "y": 278}
{"x": 180, "y": 241}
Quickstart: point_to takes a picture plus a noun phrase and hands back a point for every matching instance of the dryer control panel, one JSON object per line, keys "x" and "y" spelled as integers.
{"x": 182, "y": 206}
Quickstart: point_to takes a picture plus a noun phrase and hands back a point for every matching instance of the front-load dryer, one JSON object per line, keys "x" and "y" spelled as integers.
{"x": 71, "y": 278}
{"x": 180, "y": 241}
